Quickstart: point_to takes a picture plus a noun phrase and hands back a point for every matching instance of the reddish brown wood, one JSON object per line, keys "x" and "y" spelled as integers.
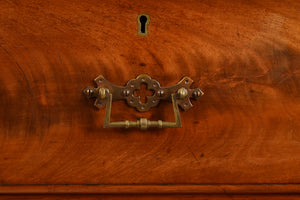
{"x": 150, "y": 197}
{"x": 244, "y": 131}
{"x": 153, "y": 189}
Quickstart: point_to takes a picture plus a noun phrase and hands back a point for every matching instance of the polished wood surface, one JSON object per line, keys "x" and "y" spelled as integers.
{"x": 150, "y": 197}
{"x": 152, "y": 189}
{"x": 244, "y": 131}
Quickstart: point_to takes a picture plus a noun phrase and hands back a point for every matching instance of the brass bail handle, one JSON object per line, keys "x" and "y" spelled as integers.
{"x": 178, "y": 94}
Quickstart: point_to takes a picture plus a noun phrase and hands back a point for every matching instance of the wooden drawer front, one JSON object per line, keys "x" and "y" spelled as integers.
{"x": 242, "y": 136}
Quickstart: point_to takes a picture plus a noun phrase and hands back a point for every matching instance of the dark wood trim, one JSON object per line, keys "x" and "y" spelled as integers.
{"x": 152, "y": 189}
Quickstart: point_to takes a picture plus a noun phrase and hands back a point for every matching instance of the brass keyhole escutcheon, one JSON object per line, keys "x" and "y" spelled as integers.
{"x": 143, "y": 93}
{"x": 143, "y": 22}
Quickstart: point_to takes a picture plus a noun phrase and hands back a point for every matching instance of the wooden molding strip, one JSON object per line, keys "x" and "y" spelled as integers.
{"x": 152, "y": 189}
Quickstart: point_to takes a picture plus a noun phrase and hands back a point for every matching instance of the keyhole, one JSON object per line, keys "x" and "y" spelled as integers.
{"x": 143, "y": 22}
{"x": 143, "y": 92}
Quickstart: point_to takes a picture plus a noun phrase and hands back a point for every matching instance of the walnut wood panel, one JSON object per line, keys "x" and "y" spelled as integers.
{"x": 244, "y": 55}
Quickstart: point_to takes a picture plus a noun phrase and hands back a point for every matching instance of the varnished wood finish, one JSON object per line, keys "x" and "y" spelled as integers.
{"x": 244, "y": 131}
{"x": 150, "y": 197}
{"x": 153, "y": 189}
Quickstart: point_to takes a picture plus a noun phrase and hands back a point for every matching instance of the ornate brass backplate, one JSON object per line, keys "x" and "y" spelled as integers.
{"x": 179, "y": 94}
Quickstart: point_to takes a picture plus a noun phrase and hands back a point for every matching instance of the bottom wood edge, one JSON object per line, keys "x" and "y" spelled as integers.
{"x": 152, "y": 189}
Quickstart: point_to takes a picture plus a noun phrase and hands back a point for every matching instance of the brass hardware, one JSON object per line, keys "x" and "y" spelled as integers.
{"x": 102, "y": 92}
{"x": 107, "y": 92}
{"x": 182, "y": 92}
{"x": 143, "y": 22}
{"x": 141, "y": 123}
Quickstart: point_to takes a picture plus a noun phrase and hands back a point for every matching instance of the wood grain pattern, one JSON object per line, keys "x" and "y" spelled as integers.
{"x": 265, "y": 189}
{"x": 244, "y": 55}
{"x": 150, "y": 197}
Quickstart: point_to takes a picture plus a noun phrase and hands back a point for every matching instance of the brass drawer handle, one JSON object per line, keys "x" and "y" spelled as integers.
{"x": 107, "y": 92}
